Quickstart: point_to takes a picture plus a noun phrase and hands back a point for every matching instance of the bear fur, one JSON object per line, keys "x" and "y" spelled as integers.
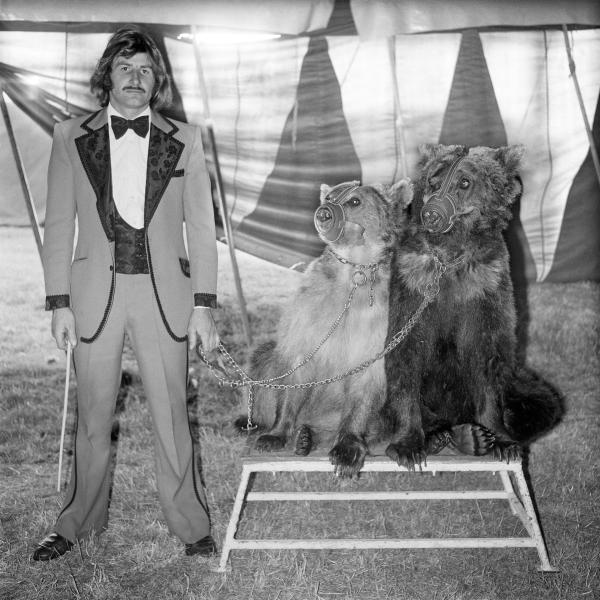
{"x": 455, "y": 378}
{"x": 346, "y": 412}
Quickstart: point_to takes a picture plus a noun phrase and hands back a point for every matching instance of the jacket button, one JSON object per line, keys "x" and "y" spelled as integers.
{"x": 111, "y": 268}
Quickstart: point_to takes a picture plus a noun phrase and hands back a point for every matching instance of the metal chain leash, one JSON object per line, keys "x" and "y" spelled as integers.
{"x": 360, "y": 275}
{"x": 245, "y": 378}
{"x": 359, "y": 278}
{"x": 430, "y": 291}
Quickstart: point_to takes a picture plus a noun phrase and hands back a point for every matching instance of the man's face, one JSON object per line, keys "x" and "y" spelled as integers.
{"x": 132, "y": 84}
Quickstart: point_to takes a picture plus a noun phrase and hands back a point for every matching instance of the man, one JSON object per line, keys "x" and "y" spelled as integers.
{"x": 130, "y": 178}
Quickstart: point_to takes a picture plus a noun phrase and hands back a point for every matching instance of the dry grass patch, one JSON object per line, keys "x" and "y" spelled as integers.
{"x": 138, "y": 559}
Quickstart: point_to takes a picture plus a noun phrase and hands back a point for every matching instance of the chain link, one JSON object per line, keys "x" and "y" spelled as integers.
{"x": 430, "y": 291}
{"x": 246, "y": 379}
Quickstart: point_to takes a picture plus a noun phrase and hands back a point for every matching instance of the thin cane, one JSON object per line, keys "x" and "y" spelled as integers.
{"x": 64, "y": 415}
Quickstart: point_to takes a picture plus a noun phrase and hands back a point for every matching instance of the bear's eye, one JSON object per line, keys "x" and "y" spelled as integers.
{"x": 464, "y": 183}
{"x": 353, "y": 202}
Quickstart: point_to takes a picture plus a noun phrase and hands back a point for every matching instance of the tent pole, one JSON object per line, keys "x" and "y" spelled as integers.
{"x": 398, "y": 124}
{"x": 221, "y": 191}
{"x": 588, "y": 129}
{"x": 22, "y": 176}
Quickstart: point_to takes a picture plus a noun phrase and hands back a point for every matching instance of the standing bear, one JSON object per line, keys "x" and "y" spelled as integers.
{"x": 454, "y": 379}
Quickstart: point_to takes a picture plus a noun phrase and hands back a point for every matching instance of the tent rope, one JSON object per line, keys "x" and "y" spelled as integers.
{"x": 586, "y": 122}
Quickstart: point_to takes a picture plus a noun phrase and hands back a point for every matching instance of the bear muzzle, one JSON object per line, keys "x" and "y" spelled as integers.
{"x": 330, "y": 222}
{"x": 438, "y": 214}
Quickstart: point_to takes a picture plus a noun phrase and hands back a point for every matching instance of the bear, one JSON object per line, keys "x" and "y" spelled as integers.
{"x": 336, "y": 320}
{"x": 455, "y": 380}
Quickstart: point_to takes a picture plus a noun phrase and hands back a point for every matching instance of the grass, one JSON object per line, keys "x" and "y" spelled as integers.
{"x": 137, "y": 558}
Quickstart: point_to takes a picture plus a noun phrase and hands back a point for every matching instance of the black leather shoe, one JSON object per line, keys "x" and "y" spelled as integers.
{"x": 52, "y": 546}
{"x": 205, "y": 547}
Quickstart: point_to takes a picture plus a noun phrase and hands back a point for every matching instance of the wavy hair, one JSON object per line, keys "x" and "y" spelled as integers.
{"x": 126, "y": 42}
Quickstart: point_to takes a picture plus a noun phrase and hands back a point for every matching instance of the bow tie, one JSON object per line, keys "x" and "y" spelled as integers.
{"x": 120, "y": 125}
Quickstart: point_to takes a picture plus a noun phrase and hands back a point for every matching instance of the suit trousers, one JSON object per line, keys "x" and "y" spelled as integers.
{"x": 163, "y": 369}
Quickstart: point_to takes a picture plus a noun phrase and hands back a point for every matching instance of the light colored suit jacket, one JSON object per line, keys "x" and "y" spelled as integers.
{"x": 80, "y": 191}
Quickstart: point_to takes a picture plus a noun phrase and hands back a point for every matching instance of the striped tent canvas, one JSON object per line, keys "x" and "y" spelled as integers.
{"x": 350, "y": 93}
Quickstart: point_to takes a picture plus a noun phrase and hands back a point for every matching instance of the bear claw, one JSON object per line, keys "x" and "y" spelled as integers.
{"x": 304, "y": 441}
{"x": 472, "y": 439}
{"x": 437, "y": 441}
{"x": 348, "y": 456}
{"x": 508, "y": 451}
{"x": 407, "y": 457}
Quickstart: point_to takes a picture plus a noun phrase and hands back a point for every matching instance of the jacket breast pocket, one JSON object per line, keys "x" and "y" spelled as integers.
{"x": 184, "y": 263}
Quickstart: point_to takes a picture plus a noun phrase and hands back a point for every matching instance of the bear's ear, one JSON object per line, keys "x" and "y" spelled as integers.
{"x": 325, "y": 189}
{"x": 429, "y": 151}
{"x": 435, "y": 151}
{"x": 382, "y": 189}
{"x": 401, "y": 192}
{"x": 510, "y": 158}
{"x": 513, "y": 190}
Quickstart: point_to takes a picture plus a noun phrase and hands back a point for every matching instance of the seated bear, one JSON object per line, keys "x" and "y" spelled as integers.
{"x": 455, "y": 379}
{"x": 335, "y": 321}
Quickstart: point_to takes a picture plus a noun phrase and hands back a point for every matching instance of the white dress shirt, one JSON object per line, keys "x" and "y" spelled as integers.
{"x": 128, "y": 163}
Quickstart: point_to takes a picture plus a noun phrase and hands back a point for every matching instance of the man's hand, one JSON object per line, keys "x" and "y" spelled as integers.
{"x": 63, "y": 327}
{"x": 203, "y": 325}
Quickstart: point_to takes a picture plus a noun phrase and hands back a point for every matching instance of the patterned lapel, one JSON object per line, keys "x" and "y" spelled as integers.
{"x": 163, "y": 155}
{"x": 94, "y": 152}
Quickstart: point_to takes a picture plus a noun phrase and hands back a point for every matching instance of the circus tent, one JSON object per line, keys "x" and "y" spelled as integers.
{"x": 339, "y": 90}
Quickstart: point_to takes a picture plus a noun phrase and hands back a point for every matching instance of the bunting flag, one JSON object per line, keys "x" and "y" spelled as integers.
{"x": 577, "y": 254}
{"x": 330, "y": 106}
{"x": 315, "y": 148}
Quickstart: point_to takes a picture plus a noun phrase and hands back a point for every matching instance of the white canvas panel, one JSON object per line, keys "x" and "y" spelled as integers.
{"x": 539, "y": 108}
{"x": 251, "y": 91}
{"x": 366, "y": 79}
{"x": 424, "y": 70}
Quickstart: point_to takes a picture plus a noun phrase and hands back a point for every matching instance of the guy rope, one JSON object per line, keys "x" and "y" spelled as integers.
{"x": 430, "y": 291}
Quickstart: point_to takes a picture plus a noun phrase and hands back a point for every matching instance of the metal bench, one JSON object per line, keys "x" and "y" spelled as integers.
{"x": 521, "y": 504}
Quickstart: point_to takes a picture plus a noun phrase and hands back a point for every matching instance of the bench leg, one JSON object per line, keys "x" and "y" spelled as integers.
{"x": 533, "y": 528}
{"x": 234, "y": 520}
{"x": 516, "y": 506}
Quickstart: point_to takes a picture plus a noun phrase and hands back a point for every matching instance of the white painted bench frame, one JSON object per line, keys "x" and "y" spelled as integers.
{"x": 521, "y": 505}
